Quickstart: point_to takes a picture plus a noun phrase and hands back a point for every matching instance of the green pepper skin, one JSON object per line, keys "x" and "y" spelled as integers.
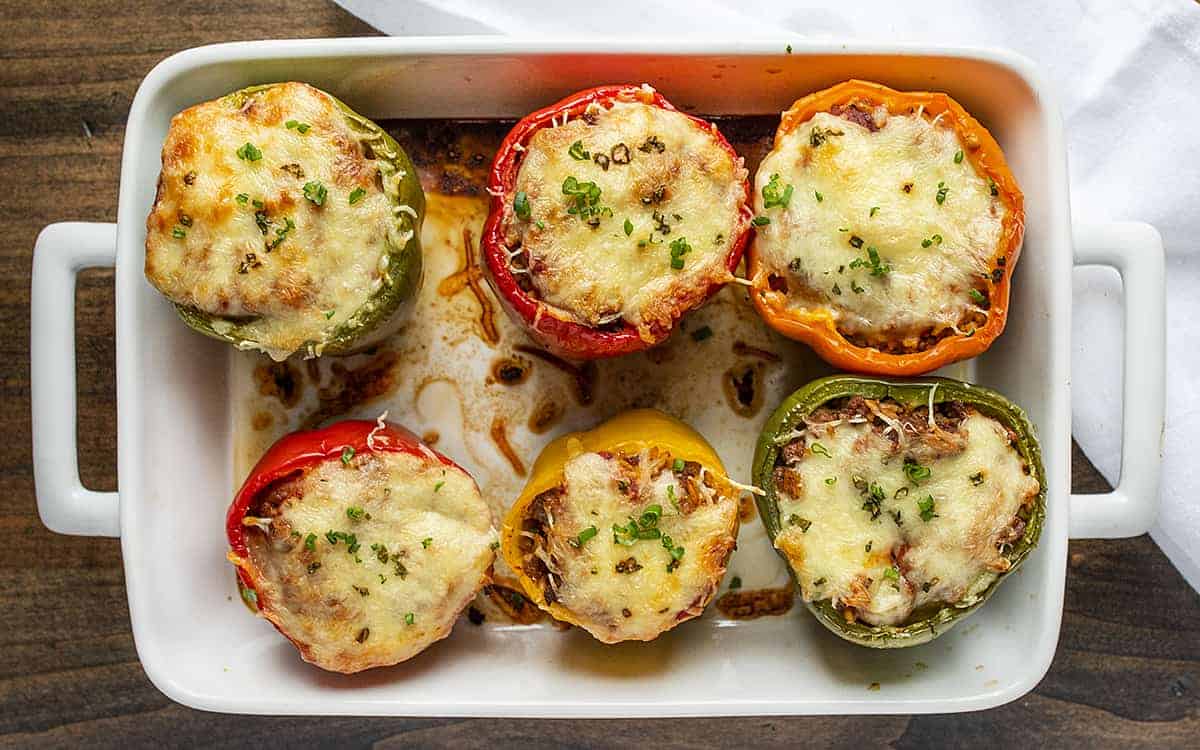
{"x": 911, "y": 393}
{"x": 385, "y": 311}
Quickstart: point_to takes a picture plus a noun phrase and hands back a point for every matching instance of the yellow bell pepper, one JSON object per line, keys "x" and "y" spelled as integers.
{"x": 625, "y": 434}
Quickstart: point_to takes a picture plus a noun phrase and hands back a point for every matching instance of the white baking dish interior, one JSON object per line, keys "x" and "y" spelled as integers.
{"x": 175, "y": 456}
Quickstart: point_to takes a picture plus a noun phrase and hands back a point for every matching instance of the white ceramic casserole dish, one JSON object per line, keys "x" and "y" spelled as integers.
{"x": 174, "y": 441}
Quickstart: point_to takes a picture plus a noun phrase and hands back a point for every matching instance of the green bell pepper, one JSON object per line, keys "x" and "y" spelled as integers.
{"x": 925, "y": 625}
{"x": 386, "y": 310}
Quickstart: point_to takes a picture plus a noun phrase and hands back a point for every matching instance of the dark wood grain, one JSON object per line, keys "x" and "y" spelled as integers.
{"x": 1127, "y": 671}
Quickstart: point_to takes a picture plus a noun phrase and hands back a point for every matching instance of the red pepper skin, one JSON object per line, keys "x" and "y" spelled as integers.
{"x": 568, "y": 338}
{"x": 299, "y": 450}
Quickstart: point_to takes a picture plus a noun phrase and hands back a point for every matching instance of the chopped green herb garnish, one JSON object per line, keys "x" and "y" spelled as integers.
{"x": 426, "y": 542}
{"x": 925, "y": 505}
{"x": 874, "y": 210}
{"x": 300, "y": 127}
{"x": 819, "y": 450}
{"x": 803, "y": 523}
{"x": 178, "y": 233}
{"x": 585, "y": 199}
{"x": 409, "y": 618}
{"x": 941, "y": 193}
{"x": 677, "y": 464}
{"x": 760, "y": 221}
{"x": 818, "y": 195}
{"x": 356, "y": 513}
{"x": 438, "y": 485}
{"x": 735, "y": 583}
{"x": 628, "y": 227}
{"x": 976, "y": 478}
{"x": 539, "y": 224}
{"x": 347, "y": 454}
{"x": 671, "y": 496}
{"x": 702, "y": 333}
{"x": 670, "y": 546}
{"x": 891, "y": 574}
{"x": 856, "y": 288}
{"x": 872, "y": 262}
{"x": 494, "y": 546}
{"x": 330, "y": 313}
{"x": 248, "y": 152}
{"x": 578, "y": 152}
{"x": 775, "y": 194}
{"x": 915, "y": 472}
{"x": 315, "y": 192}
{"x": 977, "y": 296}
{"x": 830, "y": 481}
{"x": 819, "y": 582}
{"x": 521, "y": 205}
{"x": 958, "y": 157}
{"x": 992, "y": 187}
{"x": 310, "y": 542}
{"x": 356, "y": 195}
{"x": 873, "y": 500}
{"x": 679, "y": 248}
{"x": 242, "y": 198}
{"x": 583, "y": 536}
{"x": 788, "y": 49}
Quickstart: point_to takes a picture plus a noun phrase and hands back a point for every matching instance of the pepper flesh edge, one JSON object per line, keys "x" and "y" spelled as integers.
{"x": 628, "y": 432}
{"x": 912, "y": 393}
{"x": 543, "y": 323}
{"x": 819, "y": 330}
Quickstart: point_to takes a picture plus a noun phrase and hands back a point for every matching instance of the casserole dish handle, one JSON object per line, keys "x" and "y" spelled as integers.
{"x": 1135, "y": 250}
{"x": 64, "y": 504}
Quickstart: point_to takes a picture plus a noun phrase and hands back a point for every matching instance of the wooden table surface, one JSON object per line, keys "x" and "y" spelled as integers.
{"x": 1127, "y": 670}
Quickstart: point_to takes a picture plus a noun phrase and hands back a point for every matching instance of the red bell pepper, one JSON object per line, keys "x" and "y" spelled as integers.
{"x": 300, "y": 450}
{"x": 542, "y": 322}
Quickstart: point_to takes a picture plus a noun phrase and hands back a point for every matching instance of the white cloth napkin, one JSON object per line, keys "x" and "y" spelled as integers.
{"x": 1127, "y": 74}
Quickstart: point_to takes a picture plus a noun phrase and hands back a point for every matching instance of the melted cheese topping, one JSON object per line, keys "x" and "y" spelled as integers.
{"x": 888, "y": 566}
{"x": 621, "y": 592}
{"x": 937, "y": 253}
{"x": 424, "y": 548}
{"x": 667, "y": 180}
{"x": 272, "y": 264}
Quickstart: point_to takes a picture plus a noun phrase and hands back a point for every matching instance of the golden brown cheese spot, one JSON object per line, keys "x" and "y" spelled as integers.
{"x": 367, "y": 563}
{"x": 675, "y": 530}
{"x": 662, "y": 179}
{"x": 237, "y": 238}
{"x": 879, "y": 185}
{"x": 884, "y": 525}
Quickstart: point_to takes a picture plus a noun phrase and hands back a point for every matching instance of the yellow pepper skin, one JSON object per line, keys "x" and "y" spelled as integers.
{"x": 627, "y": 433}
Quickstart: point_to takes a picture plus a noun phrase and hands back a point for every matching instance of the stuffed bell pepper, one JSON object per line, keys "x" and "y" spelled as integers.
{"x": 284, "y": 222}
{"x": 624, "y": 530}
{"x": 612, "y": 215}
{"x": 899, "y": 506}
{"x": 359, "y": 543}
{"x": 887, "y": 228}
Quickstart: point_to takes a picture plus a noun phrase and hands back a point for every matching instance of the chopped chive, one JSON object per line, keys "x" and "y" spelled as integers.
{"x": 958, "y": 157}
{"x": 248, "y": 152}
{"x": 356, "y": 195}
{"x": 702, "y": 333}
{"x": 521, "y": 205}
{"x": 760, "y": 221}
{"x": 347, "y": 454}
{"x": 628, "y": 227}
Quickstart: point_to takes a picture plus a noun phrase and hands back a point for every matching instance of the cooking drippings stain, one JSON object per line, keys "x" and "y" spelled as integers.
{"x": 280, "y": 380}
{"x": 349, "y": 387}
{"x": 747, "y": 509}
{"x": 431, "y": 437}
{"x": 543, "y": 416}
{"x": 511, "y": 370}
{"x": 470, "y": 276}
{"x": 515, "y": 605}
{"x": 742, "y": 349}
{"x": 500, "y": 438}
{"x": 261, "y": 421}
{"x": 748, "y": 605}
{"x": 742, "y": 384}
{"x": 583, "y": 374}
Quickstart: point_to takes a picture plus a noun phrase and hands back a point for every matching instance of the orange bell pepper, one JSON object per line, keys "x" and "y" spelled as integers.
{"x": 817, "y": 328}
